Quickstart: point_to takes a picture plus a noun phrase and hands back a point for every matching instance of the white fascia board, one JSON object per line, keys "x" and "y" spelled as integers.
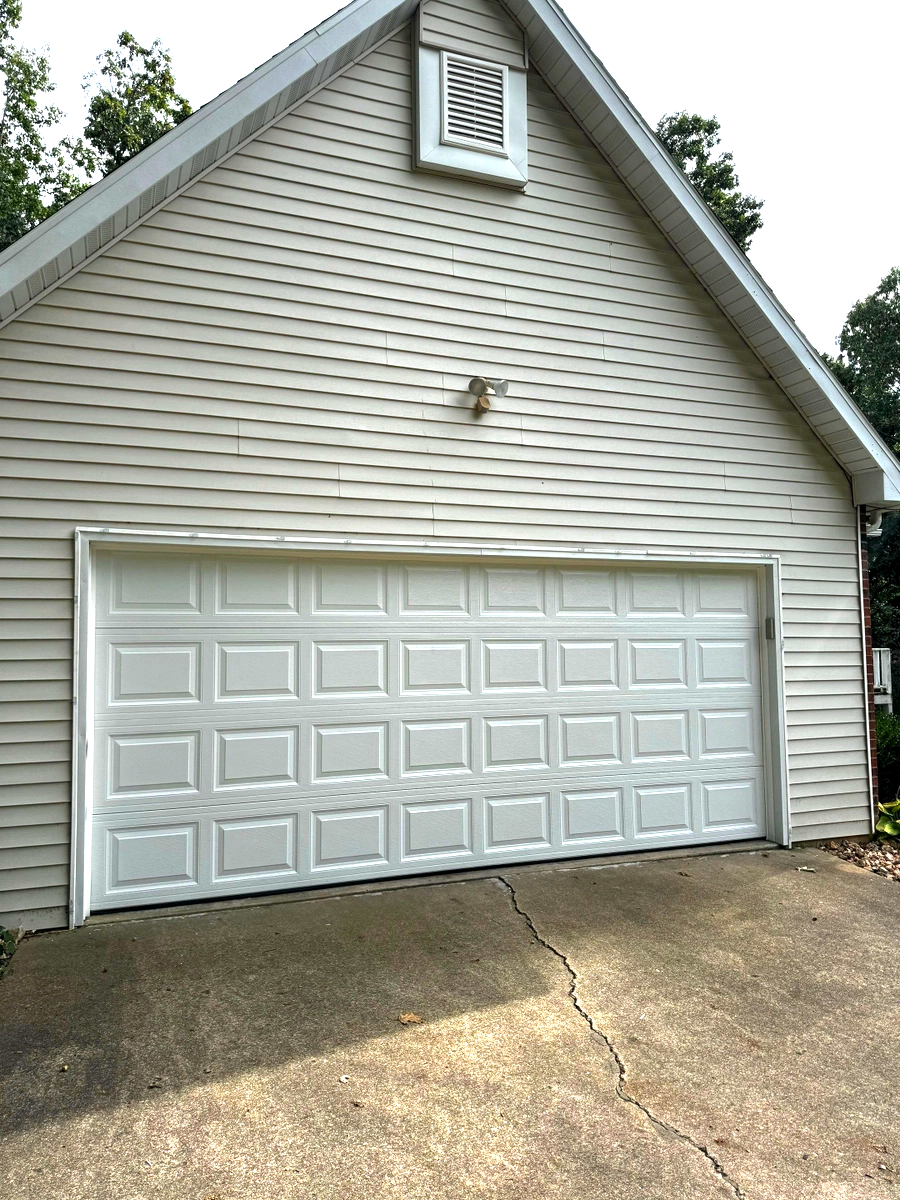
{"x": 110, "y": 195}
{"x": 636, "y": 129}
{"x": 875, "y": 488}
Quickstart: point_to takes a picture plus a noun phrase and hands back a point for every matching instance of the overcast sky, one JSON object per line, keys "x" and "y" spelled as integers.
{"x": 806, "y": 93}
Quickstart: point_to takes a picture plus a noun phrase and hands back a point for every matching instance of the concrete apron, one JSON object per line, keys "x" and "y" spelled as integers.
{"x": 718, "y": 1026}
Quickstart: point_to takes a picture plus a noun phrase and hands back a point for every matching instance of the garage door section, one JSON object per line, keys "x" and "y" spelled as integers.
{"x": 263, "y": 723}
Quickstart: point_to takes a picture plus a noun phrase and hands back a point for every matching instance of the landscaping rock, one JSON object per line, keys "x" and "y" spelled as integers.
{"x": 879, "y": 857}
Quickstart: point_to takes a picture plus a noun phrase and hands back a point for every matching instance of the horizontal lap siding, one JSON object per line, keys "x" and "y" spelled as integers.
{"x": 472, "y": 27}
{"x": 285, "y": 349}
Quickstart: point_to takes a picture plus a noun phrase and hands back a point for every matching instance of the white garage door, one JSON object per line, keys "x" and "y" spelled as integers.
{"x": 262, "y": 723}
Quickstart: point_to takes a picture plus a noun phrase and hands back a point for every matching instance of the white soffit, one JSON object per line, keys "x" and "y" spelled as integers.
{"x": 61, "y": 244}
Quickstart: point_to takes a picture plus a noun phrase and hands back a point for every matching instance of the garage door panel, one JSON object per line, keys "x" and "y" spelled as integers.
{"x": 655, "y": 594}
{"x": 265, "y": 721}
{"x": 180, "y": 588}
{"x": 437, "y": 829}
{"x": 353, "y": 837}
{"x": 347, "y": 669}
{"x": 162, "y": 669}
{"x": 436, "y": 747}
{"x": 725, "y": 595}
{"x": 730, "y": 804}
{"x": 354, "y": 588}
{"x": 153, "y": 584}
{"x": 246, "y": 750}
{"x": 590, "y": 816}
{"x": 257, "y": 671}
{"x": 256, "y": 758}
{"x": 149, "y": 764}
{"x": 442, "y": 591}
{"x": 142, "y": 673}
{"x": 586, "y": 593}
{"x": 435, "y": 667}
{"x": 587, "y": 665}
{"x": 250, "y": 848}
{"x": 280, "y": 844}
{"x": 248, "y": 585}
{"x": 662, "y": 810}
{"x": 151, "y": 858}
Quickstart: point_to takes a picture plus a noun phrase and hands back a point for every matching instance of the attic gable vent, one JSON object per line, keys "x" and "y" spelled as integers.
{"x": 471, "y": 116}
{"x": 474, "y": 103}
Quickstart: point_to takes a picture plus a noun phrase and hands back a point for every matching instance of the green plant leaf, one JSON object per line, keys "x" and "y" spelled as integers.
{"x": 888, "y": 826}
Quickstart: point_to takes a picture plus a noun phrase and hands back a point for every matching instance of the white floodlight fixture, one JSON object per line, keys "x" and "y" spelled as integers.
{"x": 482, "y": 389}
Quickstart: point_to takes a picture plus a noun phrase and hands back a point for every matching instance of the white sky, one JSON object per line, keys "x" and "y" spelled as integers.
{"x": 806, "y": 93}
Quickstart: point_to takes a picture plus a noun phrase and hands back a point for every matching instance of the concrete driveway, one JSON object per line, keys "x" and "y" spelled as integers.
{"x": 716, "y": 1026}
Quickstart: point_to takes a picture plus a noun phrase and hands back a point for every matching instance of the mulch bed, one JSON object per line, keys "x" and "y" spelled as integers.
{"x": 881, "y": 857}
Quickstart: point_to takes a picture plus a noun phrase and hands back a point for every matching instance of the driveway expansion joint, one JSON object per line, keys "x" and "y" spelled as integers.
{"x": 625, "y": 1096}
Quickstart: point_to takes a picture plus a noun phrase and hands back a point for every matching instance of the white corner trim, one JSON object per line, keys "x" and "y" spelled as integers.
{"x": 82, "y": 749}
{"x": 865, "y": 672}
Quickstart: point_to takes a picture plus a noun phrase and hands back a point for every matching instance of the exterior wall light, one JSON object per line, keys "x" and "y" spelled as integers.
{"x": 482, "y": 389}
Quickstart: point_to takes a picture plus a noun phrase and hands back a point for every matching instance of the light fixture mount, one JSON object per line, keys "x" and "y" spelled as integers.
{"x": 482, "y": 388}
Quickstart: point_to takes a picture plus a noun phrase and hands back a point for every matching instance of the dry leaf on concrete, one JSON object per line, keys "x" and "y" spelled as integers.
{"x": 410, "y": 1019}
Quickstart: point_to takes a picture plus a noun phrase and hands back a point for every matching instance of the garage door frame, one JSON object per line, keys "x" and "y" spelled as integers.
{"x": 768, "y": 568}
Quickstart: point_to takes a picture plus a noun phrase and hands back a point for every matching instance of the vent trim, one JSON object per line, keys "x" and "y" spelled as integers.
{"x": 474, "y": 104}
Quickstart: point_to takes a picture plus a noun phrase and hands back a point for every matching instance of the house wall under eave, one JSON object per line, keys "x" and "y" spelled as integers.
{"x": 285, "y": 348}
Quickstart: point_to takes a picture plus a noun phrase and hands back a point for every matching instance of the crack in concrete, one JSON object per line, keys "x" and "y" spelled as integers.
{"x": 625, "y": 1096}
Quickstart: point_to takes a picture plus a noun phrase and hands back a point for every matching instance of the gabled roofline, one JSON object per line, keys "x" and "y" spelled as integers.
{"x": 63, "y": 243}
{"x": 115, "y": 204}
{"x": 626, "y": 139}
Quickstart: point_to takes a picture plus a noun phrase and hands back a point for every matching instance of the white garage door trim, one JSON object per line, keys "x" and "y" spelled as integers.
{"x": 768, "y": 600}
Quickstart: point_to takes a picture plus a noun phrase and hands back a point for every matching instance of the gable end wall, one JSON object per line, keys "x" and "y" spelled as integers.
{"x": 285, "y": 349}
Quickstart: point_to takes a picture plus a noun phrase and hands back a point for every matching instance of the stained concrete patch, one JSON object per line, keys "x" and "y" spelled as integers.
{"x": 257, "y": 1053}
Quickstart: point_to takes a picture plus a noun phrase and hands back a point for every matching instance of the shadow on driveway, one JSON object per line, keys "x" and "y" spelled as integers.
{"x": 256, "y": 1053}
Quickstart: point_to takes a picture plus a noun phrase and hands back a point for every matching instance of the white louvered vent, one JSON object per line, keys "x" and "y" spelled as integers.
{"x": 474, "y": 103}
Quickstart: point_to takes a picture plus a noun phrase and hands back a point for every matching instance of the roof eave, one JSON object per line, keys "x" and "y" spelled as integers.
{"x": 709, "y": 244}
{"x": 46, "y": 254}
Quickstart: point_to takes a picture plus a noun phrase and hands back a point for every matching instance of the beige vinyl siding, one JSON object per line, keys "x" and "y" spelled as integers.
{"x": 285, "y": 349}
{"x": 473, "y": 27}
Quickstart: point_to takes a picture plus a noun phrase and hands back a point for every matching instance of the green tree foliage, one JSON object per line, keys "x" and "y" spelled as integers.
{"x": 884, "y": 588}
{"x": 692, "y": 140}
{"x": 868, "y": 363}
{"x": 887, "y": 734}
{"x": 134, "y": 102}
{"x": 35, "y": 179}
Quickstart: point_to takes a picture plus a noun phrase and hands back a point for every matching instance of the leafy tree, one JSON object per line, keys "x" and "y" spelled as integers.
{"x": 884, "y": 587}
{"x": 135, "y": 101}
{"x": 868, "y": 363}
{"x": 35, "y": 179}
{"x": 692, "y": 140}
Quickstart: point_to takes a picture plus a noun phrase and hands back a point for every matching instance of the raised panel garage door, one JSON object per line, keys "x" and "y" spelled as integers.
{"x": 263, "y": 723}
